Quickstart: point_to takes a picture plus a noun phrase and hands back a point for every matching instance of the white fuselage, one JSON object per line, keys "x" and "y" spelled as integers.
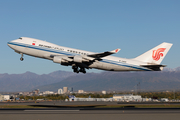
{"x": 43, "y": 49}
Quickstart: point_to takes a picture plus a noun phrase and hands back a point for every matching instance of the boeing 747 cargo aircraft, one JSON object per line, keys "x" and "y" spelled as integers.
{"x": 81, "y": 60}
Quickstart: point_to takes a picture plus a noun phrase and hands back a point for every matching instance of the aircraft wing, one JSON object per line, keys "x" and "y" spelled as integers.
{"x": 104, "y": 54}
{"x": 86, "y": 58}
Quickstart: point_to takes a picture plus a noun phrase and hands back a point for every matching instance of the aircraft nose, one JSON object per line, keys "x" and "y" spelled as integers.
{"x": 8, "y": 44}
{"x": 11, "y": 43}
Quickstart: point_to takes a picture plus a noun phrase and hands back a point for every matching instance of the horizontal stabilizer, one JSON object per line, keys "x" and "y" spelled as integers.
{"x": 154, "y": 67}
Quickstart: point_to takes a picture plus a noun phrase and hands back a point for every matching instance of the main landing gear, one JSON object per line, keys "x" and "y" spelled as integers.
{"x": 21, "y": 57}
{"x": 77, "y": 70}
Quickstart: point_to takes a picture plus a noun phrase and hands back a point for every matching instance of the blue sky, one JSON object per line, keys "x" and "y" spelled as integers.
{"x": 94, "y": 25}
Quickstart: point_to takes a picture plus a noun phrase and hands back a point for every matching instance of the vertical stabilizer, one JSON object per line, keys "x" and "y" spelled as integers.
{"x": 155, "y": 55}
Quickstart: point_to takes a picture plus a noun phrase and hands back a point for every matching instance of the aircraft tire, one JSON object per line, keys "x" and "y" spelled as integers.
{"x": 21, "y": 59}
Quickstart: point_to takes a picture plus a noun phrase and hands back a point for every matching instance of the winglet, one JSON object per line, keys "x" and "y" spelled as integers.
{"x": 115, "y": 51}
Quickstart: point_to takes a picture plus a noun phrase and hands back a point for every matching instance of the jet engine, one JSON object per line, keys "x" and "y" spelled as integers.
{"x": 79, "y": 59}
{"x": 63, "y": 60}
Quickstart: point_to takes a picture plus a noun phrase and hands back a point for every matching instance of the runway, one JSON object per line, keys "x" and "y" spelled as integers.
{"x": 56, "y": 110}
{"x": 91, "y": 113}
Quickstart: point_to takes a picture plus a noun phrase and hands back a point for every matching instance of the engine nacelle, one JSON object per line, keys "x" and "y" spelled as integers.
{"x": 60, "y": 59}
{"x": 78, "y": 59}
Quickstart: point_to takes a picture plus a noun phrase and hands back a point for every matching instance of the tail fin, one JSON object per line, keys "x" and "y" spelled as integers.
{"x": 155, "y": 55}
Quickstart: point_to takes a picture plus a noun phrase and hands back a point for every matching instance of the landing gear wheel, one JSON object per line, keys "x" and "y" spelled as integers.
{"x": 82, "y": 70}
{"x": 21, "y": 59}
{"x": 75, "y": 69}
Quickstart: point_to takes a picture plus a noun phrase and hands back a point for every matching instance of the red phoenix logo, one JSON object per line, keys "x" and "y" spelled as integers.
{"x": 33, "y": 44}
{"x": 157, "y": 54}
{"x": 116, "y": 50}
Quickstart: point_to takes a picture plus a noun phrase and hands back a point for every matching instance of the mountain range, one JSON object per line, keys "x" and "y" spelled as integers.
{"x": 27, "y": 81}
{"x": 168, "y": 79}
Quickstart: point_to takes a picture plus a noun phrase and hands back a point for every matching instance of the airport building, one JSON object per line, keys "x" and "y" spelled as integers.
{"x": 127, "y": 97}
{"x": 6, "y": 97}
{"x": 48, "y": 92}
{"x": 116, "y": 97}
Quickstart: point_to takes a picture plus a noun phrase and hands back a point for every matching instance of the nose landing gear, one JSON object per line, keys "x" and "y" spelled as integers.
{"x": 21, "y": 57}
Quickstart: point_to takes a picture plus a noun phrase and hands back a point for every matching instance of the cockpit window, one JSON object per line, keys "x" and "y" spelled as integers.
{"x": 20, "y": 38}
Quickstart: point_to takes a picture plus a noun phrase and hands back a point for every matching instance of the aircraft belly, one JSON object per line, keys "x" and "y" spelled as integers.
{"x": 111, "y": 67}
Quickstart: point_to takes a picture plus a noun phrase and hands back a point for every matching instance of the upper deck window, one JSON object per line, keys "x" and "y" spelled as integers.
{"x": 20, "y": 38}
